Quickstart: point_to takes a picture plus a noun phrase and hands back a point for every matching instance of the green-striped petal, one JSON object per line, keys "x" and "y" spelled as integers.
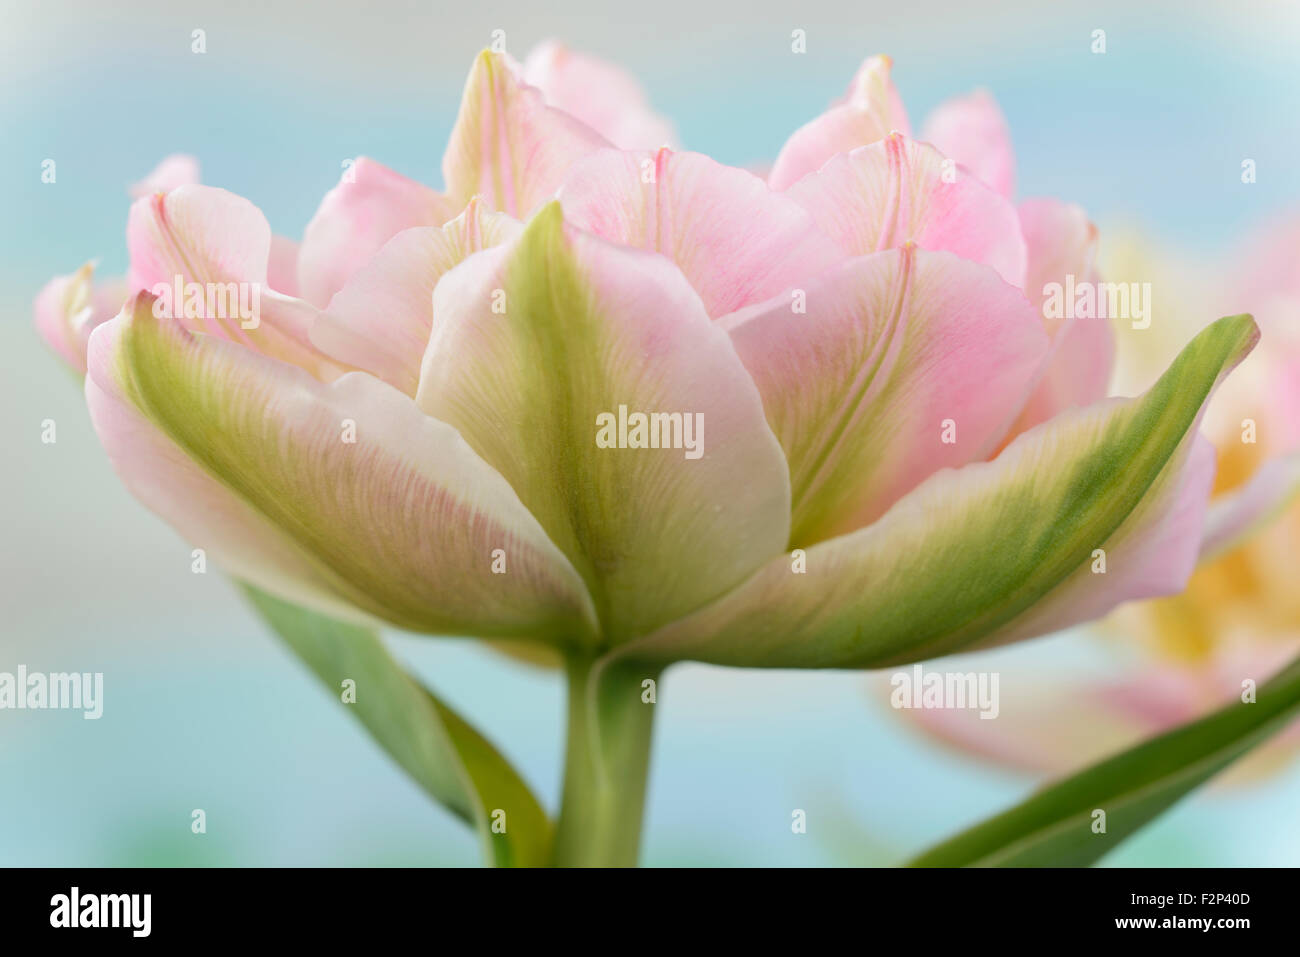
{"x": 339, "y": 496}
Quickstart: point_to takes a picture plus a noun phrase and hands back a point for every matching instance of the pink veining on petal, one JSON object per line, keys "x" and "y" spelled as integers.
{"x": 868, "y": 112}
{"x": 370, "y": 205}
{"x": 897, "y": 190}
{"x": 736, "y": 240}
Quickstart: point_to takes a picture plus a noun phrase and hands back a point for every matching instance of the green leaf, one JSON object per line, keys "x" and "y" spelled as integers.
{"x": 1054, "y": 827}
{"x": 455, "y": 764}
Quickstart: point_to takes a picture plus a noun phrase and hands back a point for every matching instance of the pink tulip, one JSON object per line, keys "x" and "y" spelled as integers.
{"x": 898, "y": 455}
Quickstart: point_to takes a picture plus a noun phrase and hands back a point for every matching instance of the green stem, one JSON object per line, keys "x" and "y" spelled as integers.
{"x": 606, "y": 764}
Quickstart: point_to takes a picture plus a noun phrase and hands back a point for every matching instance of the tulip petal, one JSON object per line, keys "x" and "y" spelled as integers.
{"x": 1063, "y": 243}
{"x": 971, "y": 557}
{"x": 883, "y": 195}
{"x": 282, "y": 267}
{"x": 737, "y": 241}
{"x": 858, "y": 388}
{"x": 69, "y": 308}
{"x": 1151, "y": 555}
{"x": 535, "y": 343}
{"x": 380, "y": 320}
{"x": 601, "y": 95}
{"x": 215, "y": 246}
{"x": 1235, "y": 516}
{"x": 174, "y": 171}
{"x": 869, "y": 111}
{"x": 370, "y": 205}
{"x": 199, "y": 233}
{"x": 332, "y": 496}
{"x": 972, "y": 130}
{"x": 508, "y": 146}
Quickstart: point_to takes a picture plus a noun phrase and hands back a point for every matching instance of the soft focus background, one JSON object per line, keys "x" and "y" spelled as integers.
{"x": 203, "y": 709}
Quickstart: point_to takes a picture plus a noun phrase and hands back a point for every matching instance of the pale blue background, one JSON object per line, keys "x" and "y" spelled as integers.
{"x": 204, "y": 709}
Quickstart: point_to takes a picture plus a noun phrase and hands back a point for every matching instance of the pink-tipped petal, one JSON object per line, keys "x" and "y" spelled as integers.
{"x": 204, "y": 254}
{"x": 972, "y": 130}
{"x": 200, "y": 233}
{"x": 601, "y": 95}
{"x": 282, "y": 268}
{"x": 869, "y": 111}
{"x": 380, "y": 320}
{"x": 68, "y": 308}
{"x": 1062, "y": 245}
{"x": 174, "y": 171}
{"x": 736, "y": 240}
{"x": 508, "y": 146}
{"x": 895, "y": 191}
{"x": 337, "y": 496}
{"x": 370, "y": 205}
{"x": 858, "y": 388}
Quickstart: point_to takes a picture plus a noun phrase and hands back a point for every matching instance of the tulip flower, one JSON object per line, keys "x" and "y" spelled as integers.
{"x": 471, "y": 417}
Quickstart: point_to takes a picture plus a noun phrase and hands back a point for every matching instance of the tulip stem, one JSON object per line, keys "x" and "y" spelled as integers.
{"x": 610, "y": 714}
